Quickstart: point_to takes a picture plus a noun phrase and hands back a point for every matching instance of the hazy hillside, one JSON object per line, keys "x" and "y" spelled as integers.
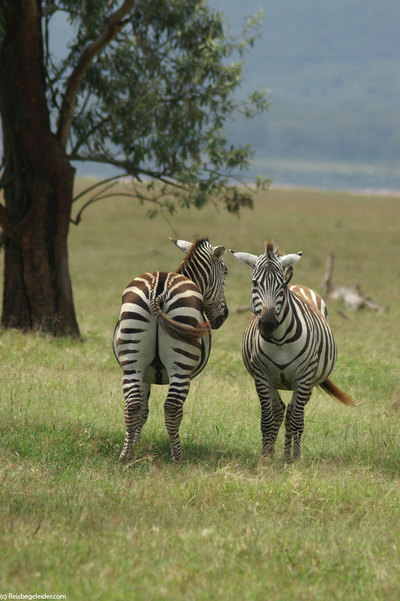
{"x": 333, "y": 71}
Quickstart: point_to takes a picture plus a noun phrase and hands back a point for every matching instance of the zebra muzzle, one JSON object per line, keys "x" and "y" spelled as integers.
{"x": 267, "y": 323}
{"x": 219, "y": 320}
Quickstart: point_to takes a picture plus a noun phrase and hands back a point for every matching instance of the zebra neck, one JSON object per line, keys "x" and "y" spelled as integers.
{"x": 194, "y": 276}
{"x": 286, "y": 311}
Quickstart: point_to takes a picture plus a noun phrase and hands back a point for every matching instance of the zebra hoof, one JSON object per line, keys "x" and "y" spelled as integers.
{"x": 268, "y": 452}
{"x": 287, "y": 458}
{"x": 125, "y": 457}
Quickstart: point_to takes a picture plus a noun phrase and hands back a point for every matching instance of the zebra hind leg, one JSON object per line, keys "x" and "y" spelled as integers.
{"x": 173, "y": 411}
{"x": 132, "y": 413}
{"x": 144, "y": 413}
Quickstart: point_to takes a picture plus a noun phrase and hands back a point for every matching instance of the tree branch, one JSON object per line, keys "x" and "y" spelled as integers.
{"x": 78, "y": 142}
{"x": 112, "y": 27}
{"x": 101, "y": 195}
{"x": 96, "y": 185}
{"x": 94, "y": 199}
{"x": 128, "y": 167}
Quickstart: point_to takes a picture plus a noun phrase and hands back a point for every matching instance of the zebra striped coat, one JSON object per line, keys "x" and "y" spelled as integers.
{"x": 163, "y": 335}
{"x": 288, "y": 345}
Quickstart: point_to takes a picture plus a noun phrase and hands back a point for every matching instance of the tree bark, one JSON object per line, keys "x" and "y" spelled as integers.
{"x": 38, "y": 185}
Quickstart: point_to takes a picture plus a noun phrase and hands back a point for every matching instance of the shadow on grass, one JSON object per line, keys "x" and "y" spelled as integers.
{"x": 72, "y": 447}
{"x": 156, "y": 449}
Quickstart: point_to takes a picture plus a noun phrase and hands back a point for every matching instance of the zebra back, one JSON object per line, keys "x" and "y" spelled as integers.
{"x": 311, "y": 297}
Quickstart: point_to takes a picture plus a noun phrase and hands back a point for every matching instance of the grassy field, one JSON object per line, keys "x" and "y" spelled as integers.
{"x": 225, "y": 524}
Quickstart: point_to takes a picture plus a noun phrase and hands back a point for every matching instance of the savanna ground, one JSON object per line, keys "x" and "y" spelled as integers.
{"x": 225, "y": 524}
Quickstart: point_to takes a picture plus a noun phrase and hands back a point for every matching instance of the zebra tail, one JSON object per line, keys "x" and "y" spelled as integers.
{"x": 176, "y": 329}
{"x": 335, "y": 392}
{"x": 182, "y": 331}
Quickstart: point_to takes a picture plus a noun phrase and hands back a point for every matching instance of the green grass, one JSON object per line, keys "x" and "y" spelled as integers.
{"x": 225, "y": 524}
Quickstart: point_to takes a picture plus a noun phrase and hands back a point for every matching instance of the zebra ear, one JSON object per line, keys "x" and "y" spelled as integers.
{"x": 287, "y": 260}
{"x": 182, "y": 244}
{"x": 218, "y": 252}
{"x": 245, "y": 258}
{"x": 288, "y": 275}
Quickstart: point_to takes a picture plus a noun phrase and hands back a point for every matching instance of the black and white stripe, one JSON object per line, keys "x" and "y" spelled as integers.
{"x": 288, "y": 345}
{"x": 163, "y": 335}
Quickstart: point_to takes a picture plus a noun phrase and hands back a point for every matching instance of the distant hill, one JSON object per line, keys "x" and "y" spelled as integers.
{"x": 333, "y": 72}
{"x": 332, "y": 69}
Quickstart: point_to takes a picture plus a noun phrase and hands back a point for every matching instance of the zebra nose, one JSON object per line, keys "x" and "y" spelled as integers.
{"x": 267, "y": 323}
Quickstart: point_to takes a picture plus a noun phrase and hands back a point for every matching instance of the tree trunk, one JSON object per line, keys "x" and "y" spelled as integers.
{"x": 38, "y": 186}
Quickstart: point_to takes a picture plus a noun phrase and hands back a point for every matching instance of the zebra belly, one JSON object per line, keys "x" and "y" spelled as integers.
{"x": 285, "y": 378}
{"x": 284, "y": 368}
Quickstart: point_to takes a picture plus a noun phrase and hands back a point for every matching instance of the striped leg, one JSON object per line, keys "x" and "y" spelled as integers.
{"x": 279, "y": 408}
{"x": 173, "y": 411}
{"x": 272, "y": 412}
{"x": 294, "y": 422}
{"x": 133, "y": 392}
{"x": 144, "y": 413}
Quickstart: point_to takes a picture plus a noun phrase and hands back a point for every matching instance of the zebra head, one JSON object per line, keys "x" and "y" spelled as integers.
{"x": 204, "y": 265}
{"x": 271, "y": 275}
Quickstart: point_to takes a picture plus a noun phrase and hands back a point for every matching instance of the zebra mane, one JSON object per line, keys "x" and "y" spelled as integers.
{"x": 271, "y": 250}
{"x": 189, "y": 255}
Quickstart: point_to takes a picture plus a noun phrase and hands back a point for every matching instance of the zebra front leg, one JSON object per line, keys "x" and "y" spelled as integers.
{"x": 294, "y": 421}
{"x": 173, "y": 411}
{"x": 132, "y": 413}
{"x": 270, "y": 423}
{"x": 144, "y": 413}
{"x": 278, "y": 407}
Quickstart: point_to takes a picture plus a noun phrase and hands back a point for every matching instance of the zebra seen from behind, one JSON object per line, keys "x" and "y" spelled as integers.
{"x": 288, "y": 345}
{"x": 163, "y": 335}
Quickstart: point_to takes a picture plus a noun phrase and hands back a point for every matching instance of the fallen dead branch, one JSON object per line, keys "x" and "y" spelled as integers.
{"x": 351, "y": 296}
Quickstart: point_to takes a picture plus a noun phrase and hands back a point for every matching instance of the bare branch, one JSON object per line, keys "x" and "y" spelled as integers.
{"x": 129, "y": 168}
{"x": 327, "y": 281}
{"x": 100, "y": 196}
{"x": 351, "y": 296}
{"x": 112, "y": 27}
{"x": 95, "y": 199}
{"x": 96, "y": 185}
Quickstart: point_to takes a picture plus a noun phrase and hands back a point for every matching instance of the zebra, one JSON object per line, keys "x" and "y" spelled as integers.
{"x": 163, "y": 335}
{"x": 288, "y": 345}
